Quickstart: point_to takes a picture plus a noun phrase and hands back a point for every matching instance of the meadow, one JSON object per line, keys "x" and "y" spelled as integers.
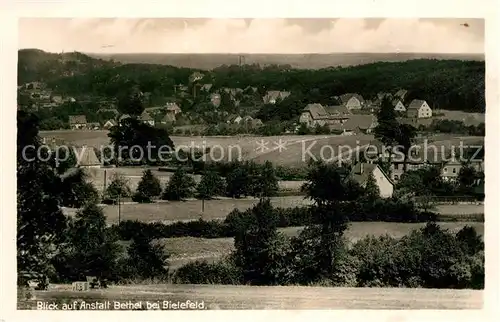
{"x": 268, "y": 297}
{"x": 171, "y": 211}
{"x": 287, "y": 150}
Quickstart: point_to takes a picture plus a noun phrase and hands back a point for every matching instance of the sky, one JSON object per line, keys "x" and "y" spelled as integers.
{"x": 307, "y": 35}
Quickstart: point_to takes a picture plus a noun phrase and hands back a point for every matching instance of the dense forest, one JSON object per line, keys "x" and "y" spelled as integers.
{"x": 444, "y": 84}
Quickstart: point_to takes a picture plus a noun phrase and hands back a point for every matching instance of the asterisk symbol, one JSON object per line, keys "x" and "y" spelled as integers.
{"x": 262, "y": 146}
{"x": 280, "y": 145}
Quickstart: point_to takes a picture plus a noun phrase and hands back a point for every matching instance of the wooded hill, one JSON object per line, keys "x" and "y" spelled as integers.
{"x": 445, "y": 84}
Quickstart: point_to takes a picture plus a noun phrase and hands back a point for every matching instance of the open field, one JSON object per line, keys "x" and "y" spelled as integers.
{"x": 168, "y": 212}
{"x": 270, "y": 297}
{"x": 466, "y": 117}
{"x": 334, "y": 148}
{"x": 188, "y": 210}
{"x": 295, "y": 150}
{"x": 187, "y": 249}
{"x": 134, "y": 174}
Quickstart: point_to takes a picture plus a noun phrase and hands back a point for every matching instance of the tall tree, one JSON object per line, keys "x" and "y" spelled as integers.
{"x": 467, "y": 176}
{"x": 211, "y": 184}
{"x": 131, "y": 101}
{"x": 179, "y": 187}
{"x": 385, "y": 131}
{"x": 238, "y": 182}
{"x": 92, "y": 250}
{"x": 329, "y": 186}
{"x": 149, "y": 186}
{"x": 40, "y": 221}
{"x": 145, "y": 259}
{"x": 118, "y": 188}
{"x": 372, "y": 190}
{"x": 260, "y": 248}
{"x": 267, "y": 182}
{"x": 404, "y": 136}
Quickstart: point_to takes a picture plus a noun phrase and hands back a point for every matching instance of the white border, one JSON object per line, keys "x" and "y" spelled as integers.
{"x": 240, "y": 9}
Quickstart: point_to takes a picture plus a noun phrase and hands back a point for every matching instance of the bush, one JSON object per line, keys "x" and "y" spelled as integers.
{"x": 430, "y": 257}
{"x": 140, "y": 198}
{"x": 202, "y": 272}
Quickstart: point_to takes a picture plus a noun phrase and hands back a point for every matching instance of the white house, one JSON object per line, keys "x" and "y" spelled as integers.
{"x": 361, "y": 172}
{"x": 399, "y": 106}
{"x": 419, "y": 109}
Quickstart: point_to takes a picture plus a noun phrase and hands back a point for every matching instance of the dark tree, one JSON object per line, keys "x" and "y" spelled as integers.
{"x": 40, "y": 221}
{"x": 260, "y": 249}
{"x": 467, "y": 177}
{"x": 385, "y": 131}
{"x": 118, "y": 188}
{"x": 131, "y": 102}
{"x": 149, "y": 186}
{"x": 238, "y": 182}
{"x": 93, "y": 250}
{"x": 267, "y": 182}
{"x": 211, "y": 184}
{"x": 145, "y": 259}
{"x": 179, "y": 187}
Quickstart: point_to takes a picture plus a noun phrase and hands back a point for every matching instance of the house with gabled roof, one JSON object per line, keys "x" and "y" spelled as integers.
{"x": 318, "y": 115}
{"x": 109, "y": 124}
{"x": 360, "y": 123}
{"x": 402, "y": 93}
{"x": 146, "y": 118}
{"x": 169, "y": 118}
{"x": 272, "y": 97}
{"x": 338, "y": 110}
{"x": 172, "y": 107}
{"x": 398, "y": 105}
{"x": 419, "y": 109}
{"x": 77, "y": 122}
{"x": 86, "y": 157}
{"x": 351, "y": 101}
{"x": 362, "y": 171}
{"x": 250, "y": 89}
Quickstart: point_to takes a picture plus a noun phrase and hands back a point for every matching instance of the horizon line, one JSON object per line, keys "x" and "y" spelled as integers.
{"x": 254, "y": 53}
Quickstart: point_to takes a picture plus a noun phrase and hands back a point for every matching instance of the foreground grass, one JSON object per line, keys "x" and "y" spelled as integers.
{"x": 279, "y": 297}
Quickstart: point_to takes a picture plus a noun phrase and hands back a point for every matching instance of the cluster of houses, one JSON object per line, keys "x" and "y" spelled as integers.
{"x": 450, "y": 168}
{"x": 354, "y": 115}
{"x": 42, "y": 96}
{"x": 166, "y": 114}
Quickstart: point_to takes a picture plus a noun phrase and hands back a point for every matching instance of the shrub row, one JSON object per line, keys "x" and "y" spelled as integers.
{"x": 382, "y": 210}
{"x": 429, "y": 257}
